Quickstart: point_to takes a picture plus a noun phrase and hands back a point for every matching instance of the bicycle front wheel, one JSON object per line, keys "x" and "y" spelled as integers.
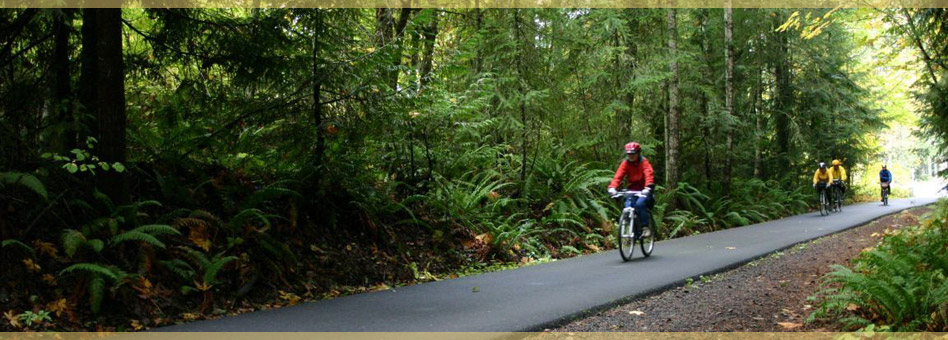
{"x": 824, "y": 208}
{"x": 648, "y": 243}
{"x": 625, "y": 240}
{"x": 839, "y": 200}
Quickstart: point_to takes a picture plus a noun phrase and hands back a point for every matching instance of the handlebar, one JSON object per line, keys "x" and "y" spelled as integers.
{"x": 628, "y": 192}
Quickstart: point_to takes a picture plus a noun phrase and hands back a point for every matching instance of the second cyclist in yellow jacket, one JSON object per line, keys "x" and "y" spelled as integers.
{"x": 837, "y": 171}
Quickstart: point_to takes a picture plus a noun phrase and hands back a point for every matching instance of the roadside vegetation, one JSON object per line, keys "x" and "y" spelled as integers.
{"x": 167, "y": 165}
{"x": 899, "y": 285}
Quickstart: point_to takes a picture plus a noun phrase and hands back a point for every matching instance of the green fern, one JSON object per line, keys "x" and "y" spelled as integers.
{"x": 139, "y": 237}
{"x": 19, "y": 245}
{"x": 96, "y": 245}
{"x": 72, "y": 241}
{"x": 94, "y": 269}
{"x": 179, "y": 267}
{"x": 157, "y": 230}
{"x": 210, "y": 273}
{"x": 96, "y": 293}
{"x": 26, "y": 180}
{"x": 247, "y": 216}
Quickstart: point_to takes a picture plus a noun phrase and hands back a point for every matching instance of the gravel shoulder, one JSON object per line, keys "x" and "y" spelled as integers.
{"x": 766, "y": 295}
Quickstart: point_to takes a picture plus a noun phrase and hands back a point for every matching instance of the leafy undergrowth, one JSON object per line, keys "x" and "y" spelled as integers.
{"x": 231, "y": 245}
{"x": 898, "y": 285}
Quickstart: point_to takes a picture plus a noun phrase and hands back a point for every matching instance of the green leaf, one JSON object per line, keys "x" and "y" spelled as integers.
{"x": 17, "y": 244}
{"x": 26, "y": 180}
{"x": 137, "y": 236}
{"x": 96, "y": 245}
{"x": 157, "y": 229}
{"x": 71, "y": 167}
{"x": 105, "y": 166}
{"x": 118, "y": 167}
{"x": 96, "y": 293}
{"x": 72, "y": 240}
{"x": 210, "y": 273}
{"x": 91, "y": 268}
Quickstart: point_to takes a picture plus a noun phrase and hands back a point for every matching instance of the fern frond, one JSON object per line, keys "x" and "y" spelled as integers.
{"x": 72, "y": 240}
{"x": 96, "y": 293}
{"x": 92, "y": 268}
{"x": 157, "y": 229}
{"x": 19, "y": 245}
{"x": 137, "y": 236}
{"x": 26, "y": 180}
{"x": 210, "y": 273}
{"x": 180, "y": 268}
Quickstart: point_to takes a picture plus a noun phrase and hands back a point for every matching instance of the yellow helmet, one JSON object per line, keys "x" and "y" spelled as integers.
{"x": 836, "y": 162}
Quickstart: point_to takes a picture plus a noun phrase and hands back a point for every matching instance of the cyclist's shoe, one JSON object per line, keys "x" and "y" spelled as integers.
{"x": 646, "y": 232}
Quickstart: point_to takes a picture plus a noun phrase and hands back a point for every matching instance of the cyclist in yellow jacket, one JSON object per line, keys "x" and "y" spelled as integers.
{"x": 838, "y": 172}
{"x": 821, "y": 178}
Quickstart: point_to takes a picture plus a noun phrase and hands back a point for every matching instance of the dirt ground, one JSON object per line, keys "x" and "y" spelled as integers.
{"x": 767, "y": 295}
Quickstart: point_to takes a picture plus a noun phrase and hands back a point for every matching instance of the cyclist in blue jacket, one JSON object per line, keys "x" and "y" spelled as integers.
{"x": 885, "y": 180}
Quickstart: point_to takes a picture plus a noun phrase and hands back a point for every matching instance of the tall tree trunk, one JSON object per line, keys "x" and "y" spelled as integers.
{"x": 758, "y": 115}
{"x": 782, "y": 98}
{"x": 317, "y": 88}
{"x": 673, "y": 117}
{"x": 62, "y": 98}
{"x": 87, "y": 77}
{"x": 478, "y": 21}
{"x": 110, "y": 99}
{"x": 427, "y": 61}
{"x": 399, "y": 44}
{"x": 384, "y": 36}
{"x": 708, "y": 140}
{"x": 523, "y": 97}
{"x": 729, "y": 95}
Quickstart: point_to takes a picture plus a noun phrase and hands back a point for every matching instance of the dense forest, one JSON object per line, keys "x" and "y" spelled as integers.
{"x": 172, "y": 164}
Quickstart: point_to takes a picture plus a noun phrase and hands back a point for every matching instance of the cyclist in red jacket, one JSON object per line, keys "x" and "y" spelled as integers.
{"x": 639, "y": 176}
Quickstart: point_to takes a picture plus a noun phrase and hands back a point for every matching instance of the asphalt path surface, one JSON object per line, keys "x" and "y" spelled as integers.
{"x": 545, "y": 295}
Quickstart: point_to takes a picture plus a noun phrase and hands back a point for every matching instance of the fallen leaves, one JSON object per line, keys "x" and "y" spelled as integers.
{"x": 289, "y": 297}
{"x": 790, "y": 325}
{"x": 730, "y": 248}
{"x": 199, "y": 236}
{"x": 45, "y": 248}
{"x": 49, "y": 279}
{"x": 58, "y": 307}
{"x": 13, "y": 319}
{"x": 31, "y": 266}
{"x": 637, "y": 312}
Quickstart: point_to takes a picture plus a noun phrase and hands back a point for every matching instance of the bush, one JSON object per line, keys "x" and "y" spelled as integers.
{"x": 899, "y": 285}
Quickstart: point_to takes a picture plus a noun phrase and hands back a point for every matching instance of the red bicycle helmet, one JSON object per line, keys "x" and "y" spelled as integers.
{"x": 632, "y": 148}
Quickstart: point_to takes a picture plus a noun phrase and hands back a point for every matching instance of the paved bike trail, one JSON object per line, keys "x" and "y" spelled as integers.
{"x": 543, "y": 295}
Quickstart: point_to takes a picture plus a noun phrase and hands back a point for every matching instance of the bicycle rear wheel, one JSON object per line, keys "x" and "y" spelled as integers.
{"x": 624, "y": 237}
{"x": 838, "y": 194}
{"x": 648, "y": 243}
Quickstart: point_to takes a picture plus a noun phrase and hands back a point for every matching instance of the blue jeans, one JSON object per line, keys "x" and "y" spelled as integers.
{"x": 641, "y": 207}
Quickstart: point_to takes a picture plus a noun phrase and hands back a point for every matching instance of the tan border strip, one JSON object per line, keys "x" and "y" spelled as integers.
{"x": 473, "y": 3}
{"x": 475, "y": 336}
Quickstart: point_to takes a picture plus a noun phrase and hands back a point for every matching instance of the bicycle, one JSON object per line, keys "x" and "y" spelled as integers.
{"x": 824, "y": 200}
{"x": 885, "y": 193}
{"x": 630, "y": 231}
{"x": 837, "y": 202}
